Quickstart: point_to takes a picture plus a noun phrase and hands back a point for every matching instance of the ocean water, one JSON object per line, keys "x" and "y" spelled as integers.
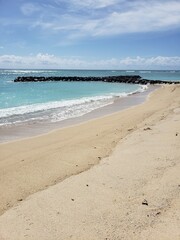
{"x": 56, "y": 101}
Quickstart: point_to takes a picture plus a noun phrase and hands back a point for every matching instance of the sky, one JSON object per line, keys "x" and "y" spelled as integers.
{"x": 90, "y": 34}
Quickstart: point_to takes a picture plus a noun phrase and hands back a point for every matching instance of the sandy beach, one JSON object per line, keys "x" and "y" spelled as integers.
{"x": 115, "y": 177}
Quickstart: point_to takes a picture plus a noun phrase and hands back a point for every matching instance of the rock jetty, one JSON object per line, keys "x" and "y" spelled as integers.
{"x": 133, "y": 79}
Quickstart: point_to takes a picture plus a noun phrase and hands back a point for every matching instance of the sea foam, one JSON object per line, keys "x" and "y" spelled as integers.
{"x": 59, "y": 110}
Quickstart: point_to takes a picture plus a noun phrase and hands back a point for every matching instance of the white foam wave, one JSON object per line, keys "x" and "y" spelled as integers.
{"x": 143, "y": 88}
{"x": 79, "y": 110}
{"x": 145, "y": 71}
{"x": 26, "y": 71}
{"x": 49, "y": 105}
{"x": 82, "y": 109}
{"x": 60, "y": 110}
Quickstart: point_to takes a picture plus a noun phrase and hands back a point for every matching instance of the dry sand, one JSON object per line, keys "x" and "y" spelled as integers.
{"x": 138, "y": 151}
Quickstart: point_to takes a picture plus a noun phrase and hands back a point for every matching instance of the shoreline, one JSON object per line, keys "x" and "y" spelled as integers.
{"x": 39, "y": 162}
{"x": 131, "y": 194}
{"x": 29, "y": 130}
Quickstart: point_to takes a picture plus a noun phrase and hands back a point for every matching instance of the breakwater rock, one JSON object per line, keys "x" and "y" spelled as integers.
{"x": 133, "y": 79}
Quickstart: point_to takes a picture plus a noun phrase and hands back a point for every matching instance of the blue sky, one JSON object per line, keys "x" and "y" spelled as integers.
{"x": 90, "y": 34}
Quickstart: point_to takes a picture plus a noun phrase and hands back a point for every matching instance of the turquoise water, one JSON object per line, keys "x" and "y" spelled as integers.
{"x": 57, "y": 101}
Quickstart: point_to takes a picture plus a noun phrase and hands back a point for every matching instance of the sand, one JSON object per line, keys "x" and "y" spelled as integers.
{"x": 130, "y": 189}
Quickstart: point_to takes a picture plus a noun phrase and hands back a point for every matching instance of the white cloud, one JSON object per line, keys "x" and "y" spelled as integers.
{"x": 94, "y": 4}
{"x": 50, "y": 61}
{"x": 120, "y": 17}
{"x": 29, "y": 9}
{"x": 1, "y": 47}
{"x": 39, "y": 61}
{"x": 88, "y": 18}
{"x": 144, "y": 18}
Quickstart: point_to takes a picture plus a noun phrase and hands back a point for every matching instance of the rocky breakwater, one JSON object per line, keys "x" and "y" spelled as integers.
{"x": 133, "y": 79}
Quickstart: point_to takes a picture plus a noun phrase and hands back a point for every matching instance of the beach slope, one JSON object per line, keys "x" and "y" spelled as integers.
{"x": 133, "y": 193}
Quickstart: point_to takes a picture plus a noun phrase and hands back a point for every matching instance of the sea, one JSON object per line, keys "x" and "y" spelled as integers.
{"x": 53, "y": 102}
